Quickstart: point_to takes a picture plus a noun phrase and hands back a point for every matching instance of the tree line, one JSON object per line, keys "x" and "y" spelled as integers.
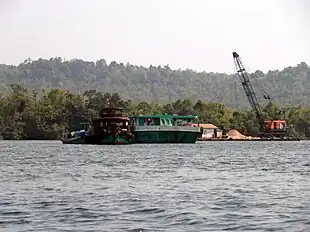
{"x": 47, "y": 114}
{"x": 161, "y": 84}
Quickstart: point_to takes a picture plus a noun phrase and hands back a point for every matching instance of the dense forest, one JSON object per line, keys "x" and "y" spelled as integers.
{"x": 47, "y": 114}
{"x": 291, "y": 86}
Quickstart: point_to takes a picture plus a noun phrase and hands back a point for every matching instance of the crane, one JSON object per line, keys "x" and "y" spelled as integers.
{"x": 267, "y": 128}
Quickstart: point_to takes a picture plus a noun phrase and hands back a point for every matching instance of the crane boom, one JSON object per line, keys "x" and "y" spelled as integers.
{"x": 249, "y": 91}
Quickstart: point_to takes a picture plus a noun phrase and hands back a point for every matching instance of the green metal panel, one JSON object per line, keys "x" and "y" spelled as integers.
{"x": 165, "y": 137}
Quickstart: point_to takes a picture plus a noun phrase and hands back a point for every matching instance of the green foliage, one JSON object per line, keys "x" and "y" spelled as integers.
{"x": 25, "y": 115}
{"x": 290, "y": 86}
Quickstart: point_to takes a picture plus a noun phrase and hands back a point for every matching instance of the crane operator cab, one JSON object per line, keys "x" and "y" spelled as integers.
{"x": 275, "y": 126}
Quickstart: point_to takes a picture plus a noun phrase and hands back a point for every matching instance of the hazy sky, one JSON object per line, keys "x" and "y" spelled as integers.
{"x": 197, "y": 34}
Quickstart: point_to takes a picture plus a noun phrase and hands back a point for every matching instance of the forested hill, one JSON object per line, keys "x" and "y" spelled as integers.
{"x": 161, "y": 84}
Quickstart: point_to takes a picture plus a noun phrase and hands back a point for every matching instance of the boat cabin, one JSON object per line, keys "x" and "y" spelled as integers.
{"x": 162, "y": 120}
{"x": 110, "y": 123}
{"x": 110, "y": 119}
{"x": 188, "y": 120}
{"x": 111, "y": 112}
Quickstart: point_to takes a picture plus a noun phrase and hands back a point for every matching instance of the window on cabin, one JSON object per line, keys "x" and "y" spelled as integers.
{"x": 162, "y": 121}
{"x": 166, "y": 121}
{"x": 156, "y": 121}
{"x": 148, "y": 121}
{"x": 133, "y": 121}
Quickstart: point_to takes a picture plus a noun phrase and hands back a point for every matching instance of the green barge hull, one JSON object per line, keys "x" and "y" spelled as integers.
{"x": 168, "y": 134}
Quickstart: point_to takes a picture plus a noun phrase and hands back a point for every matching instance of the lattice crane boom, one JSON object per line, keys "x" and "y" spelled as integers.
{"x": 249, "y": 91}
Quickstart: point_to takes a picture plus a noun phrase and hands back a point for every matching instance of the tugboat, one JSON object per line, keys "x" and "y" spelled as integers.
{"x": 112, "y": 127}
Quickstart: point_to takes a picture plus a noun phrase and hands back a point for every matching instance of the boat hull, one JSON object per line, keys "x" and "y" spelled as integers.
{"x": 79, "y": 140}
{"x": 110, "y": 140}
{"x": 96, "y": 140}
{"x": 169, "y": 134}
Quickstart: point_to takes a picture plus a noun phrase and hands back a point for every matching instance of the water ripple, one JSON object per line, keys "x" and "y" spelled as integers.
{"x": 47, "y": 186}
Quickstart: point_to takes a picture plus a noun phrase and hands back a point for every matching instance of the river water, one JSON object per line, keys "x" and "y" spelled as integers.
{"x": 208, "y": 186}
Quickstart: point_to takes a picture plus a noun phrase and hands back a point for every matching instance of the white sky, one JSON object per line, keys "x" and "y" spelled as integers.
{"x": 197, "y": 34}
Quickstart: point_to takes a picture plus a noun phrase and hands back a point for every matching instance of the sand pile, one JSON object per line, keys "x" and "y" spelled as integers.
{"x": 234, "y": 134}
